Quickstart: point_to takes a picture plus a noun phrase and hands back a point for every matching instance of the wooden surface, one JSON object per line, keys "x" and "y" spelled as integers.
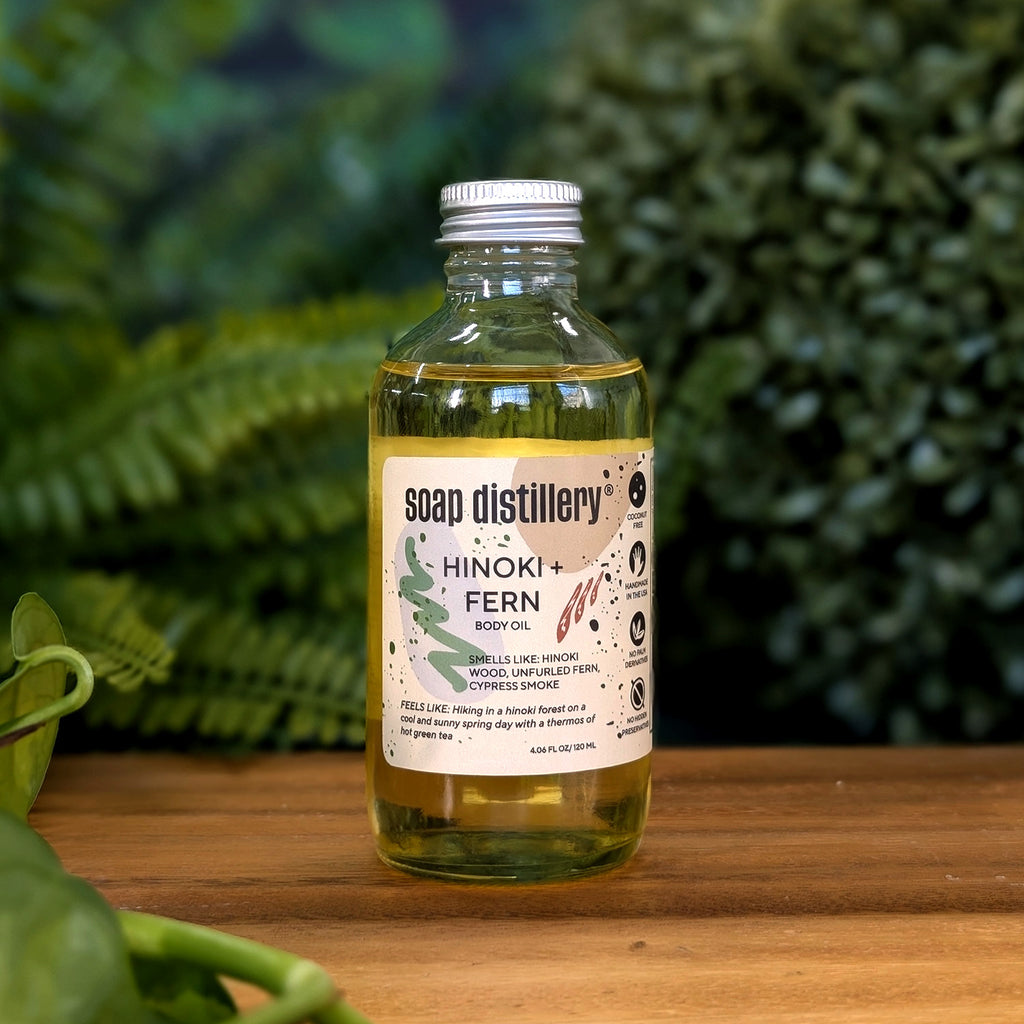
{"x": 773, "y": 886}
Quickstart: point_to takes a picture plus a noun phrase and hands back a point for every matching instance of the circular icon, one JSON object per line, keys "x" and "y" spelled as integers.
{"x": 638, "y": 558}
{"x": 637, "y": 693}
{"x": 637, "y": 489}
{"x": 637, "y": 629}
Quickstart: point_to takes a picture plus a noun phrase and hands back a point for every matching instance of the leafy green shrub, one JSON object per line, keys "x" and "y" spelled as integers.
{"x": 808, "y": 217}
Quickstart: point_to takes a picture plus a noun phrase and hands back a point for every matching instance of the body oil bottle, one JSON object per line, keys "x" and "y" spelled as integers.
{"x": 509, "y": 697}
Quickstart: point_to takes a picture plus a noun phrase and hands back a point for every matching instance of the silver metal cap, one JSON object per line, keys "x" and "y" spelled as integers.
{"x": 511, "y": 211}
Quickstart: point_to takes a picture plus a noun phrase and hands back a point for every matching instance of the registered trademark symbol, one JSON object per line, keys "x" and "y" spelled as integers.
{"x": 609, "y": 490}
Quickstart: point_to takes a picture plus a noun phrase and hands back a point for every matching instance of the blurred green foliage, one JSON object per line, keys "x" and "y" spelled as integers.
{"x": 215, "y": 216}
{"x": 808, "y": 217}
{"x": 177, "y": 157}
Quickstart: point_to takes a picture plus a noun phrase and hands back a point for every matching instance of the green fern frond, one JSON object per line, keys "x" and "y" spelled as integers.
{"x": 267, "y": 504}
{"x": 190, "y": 406}
{"x": 50, "y": 365}
{"x": 225, "y": 471}
{"x": 131, "y": 448}
{"x": 246, "y": 681}
{"x": 322, "y": 574}
{"x": 103, "y": 621}
{"x": 360, "y": 314}
{"x": 170, "y": 663}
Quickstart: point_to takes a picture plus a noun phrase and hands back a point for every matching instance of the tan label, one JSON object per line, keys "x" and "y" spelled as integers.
{"x": 516, "y": 612}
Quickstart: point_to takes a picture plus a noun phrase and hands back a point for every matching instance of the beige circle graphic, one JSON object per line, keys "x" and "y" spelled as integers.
{"x": 592, "y": 492}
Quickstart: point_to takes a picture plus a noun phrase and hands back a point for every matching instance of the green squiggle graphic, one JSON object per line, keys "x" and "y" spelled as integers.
{"x": 430, "y": 616}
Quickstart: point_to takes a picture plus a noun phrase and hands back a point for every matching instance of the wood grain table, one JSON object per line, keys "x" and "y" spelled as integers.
{"x": 773, "y": 885}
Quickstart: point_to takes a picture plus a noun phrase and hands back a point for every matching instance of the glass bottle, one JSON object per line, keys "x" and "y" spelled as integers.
{"x": 511, "y": 566}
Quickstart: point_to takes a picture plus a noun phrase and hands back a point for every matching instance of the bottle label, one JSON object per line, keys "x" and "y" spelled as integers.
{"x": 516, "y": 611}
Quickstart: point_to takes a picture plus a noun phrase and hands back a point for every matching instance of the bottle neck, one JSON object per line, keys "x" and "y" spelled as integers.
{"x": 492, "y": 271}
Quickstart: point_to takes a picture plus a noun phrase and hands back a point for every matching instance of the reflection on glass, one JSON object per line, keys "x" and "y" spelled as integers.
{"x": 510, "y": 394}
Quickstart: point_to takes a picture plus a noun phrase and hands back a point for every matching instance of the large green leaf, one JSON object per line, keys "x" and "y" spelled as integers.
{"x": 63, "y": 953}
{"x": 33, "y": 699}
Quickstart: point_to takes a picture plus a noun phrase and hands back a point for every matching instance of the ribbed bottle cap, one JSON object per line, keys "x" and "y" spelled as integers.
{"x": 511, "y": 211}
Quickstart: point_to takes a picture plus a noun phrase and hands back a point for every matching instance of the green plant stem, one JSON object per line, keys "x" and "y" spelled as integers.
{"x": 302, "y": 989}
{"x": 71, "y": 701}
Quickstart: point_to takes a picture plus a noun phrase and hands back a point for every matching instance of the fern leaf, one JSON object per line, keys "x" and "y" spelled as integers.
{"x": 49, "y": 365}
{"x": 323, "y": 574}
{"x": 168, "y": 664}
{"x": 188, "y": 409}
{"x": 275, "y": 495}
{"x": 101, "y": 619}
{"x": 251, "y": 682}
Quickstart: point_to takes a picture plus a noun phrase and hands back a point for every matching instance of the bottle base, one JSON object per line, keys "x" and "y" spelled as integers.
{"x": 503, "y": 857}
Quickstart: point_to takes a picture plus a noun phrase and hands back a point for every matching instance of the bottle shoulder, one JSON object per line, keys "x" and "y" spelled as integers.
{"x": 522, "y": 330}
